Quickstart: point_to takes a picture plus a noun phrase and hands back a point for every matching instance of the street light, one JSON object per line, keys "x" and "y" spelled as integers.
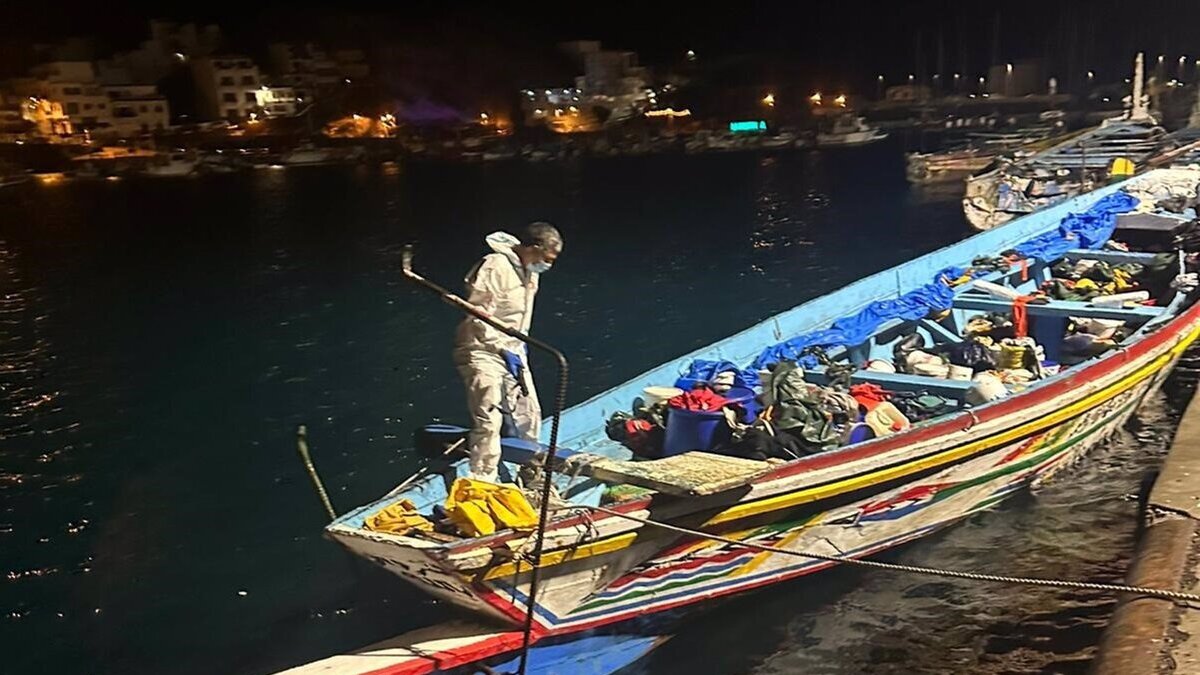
{"x": 1008, "y": 70}
{"x": 911, "y": 78}
{"x": 815, "y": 99}
{"x": 769, "y": 100}
{"x": 1091, "y": 77}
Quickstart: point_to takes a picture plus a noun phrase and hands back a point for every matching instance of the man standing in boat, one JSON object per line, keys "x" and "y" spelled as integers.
{"x": 493, "y": 365}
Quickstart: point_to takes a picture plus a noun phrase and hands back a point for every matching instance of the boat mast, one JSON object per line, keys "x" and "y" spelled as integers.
{"x": 1137, "y": 110}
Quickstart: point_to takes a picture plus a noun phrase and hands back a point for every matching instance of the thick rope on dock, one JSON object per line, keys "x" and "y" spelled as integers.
{"x": 1160, "y": 593}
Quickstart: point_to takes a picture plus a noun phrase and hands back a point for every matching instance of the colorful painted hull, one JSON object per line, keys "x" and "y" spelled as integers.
{"x": 600, "y": 569}
{"x": 913, "y": 484}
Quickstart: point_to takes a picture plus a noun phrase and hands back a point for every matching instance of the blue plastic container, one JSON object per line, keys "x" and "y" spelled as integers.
{"x": 745, "y": 398}
{"x": 692, "y": 430}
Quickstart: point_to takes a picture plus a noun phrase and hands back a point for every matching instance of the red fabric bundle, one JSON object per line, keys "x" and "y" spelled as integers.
{"x": 868, "y": 395}
{"x": 698, "y": 399}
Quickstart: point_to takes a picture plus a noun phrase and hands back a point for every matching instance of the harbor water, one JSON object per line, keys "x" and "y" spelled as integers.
{"x": 160, "y": 340}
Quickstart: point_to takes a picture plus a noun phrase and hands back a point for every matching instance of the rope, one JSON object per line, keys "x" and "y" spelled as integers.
{"x": 913, "y": 569}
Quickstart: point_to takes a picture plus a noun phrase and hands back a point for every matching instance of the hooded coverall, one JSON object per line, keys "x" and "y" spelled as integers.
{"x": 505, "y": 289}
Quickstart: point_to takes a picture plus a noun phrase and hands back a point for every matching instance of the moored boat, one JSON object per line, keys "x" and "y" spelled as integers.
{"x": 1073, "y": 166}
{"x": 849, "y": 129}
{"x": 606, "y": 561}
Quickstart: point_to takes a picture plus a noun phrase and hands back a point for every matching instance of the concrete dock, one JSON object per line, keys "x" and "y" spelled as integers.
{"x": 1148, "y": 636}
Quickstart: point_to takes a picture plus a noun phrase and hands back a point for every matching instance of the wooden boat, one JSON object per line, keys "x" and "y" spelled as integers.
{"x": 1068, "y": 168}
{"x": 1026, "y": 184}
{"x": 849, "y": 129}
{"x": 601, "y": 569}
{"x": 924, "y": 168}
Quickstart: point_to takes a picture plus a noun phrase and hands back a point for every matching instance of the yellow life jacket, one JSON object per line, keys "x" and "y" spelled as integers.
{"x": 399, "y": 518}
{"x": 478, "y": 508}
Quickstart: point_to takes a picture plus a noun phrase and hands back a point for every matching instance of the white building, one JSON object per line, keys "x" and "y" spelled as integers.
{"x": 137, "y": 109}
{"x": 73, "y": 85}
{"x": 227, "y": 87}
{"x": 277, "y": 101}
{"x": 64, "y": 97}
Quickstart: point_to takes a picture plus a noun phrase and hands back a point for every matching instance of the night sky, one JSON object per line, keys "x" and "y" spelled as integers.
{"x": 820, "y": 43}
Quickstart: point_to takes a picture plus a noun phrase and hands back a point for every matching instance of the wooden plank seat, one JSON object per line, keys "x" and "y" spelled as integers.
{"x": 687, "y": 474}
{"x": 1112, "y": 257}
{"x": 898, "y": 382}
{"x": 1061, "y": 308}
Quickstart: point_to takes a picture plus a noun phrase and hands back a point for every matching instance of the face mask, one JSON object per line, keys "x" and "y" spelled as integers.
{"x": 539, "y": 267}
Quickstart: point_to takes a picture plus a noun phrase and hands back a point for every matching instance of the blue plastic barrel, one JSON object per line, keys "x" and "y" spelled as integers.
{"x": 692, "y": 430}
{"x": 745, "y": 398}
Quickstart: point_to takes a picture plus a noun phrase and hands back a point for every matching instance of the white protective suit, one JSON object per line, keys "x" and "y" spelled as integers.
{"x": 505, "y": 289}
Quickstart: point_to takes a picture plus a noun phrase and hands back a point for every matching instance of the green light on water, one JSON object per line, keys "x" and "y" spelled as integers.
{"x": 749, "y": 125}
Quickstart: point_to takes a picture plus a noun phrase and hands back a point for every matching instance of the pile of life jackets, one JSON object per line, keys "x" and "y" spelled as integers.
{"x": 473, "y": 508}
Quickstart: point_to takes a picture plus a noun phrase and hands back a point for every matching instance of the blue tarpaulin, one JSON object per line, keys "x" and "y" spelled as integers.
{"x": 1090, "y": 229}
{"x": 704, "y": 371}
{"x": 857, "y": 329}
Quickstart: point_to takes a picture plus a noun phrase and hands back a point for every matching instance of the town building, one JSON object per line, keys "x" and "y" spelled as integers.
{"x": 71, "y": 84}
{"x": 612, "y": 87}
{"x": 22, "y": 115}
{"x": 62, "y": 98}
{"x": 227, "y": 87}
{"x": 277, "y": 100}
{"x": 312, "y": 71}
{"x": 137, "y": 109}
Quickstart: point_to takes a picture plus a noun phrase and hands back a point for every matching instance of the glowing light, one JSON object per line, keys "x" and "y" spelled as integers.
{"x": 815, "y": 99}
{"x": 347, "y": 80}
{"x": 840, "y": 101}
{"x": 691, "y": 55}
{"x": 746, "y": 126}
{"x": 483, "y": 117}
{"x": 769, "y": 100}
{"x": 668, "y": 112}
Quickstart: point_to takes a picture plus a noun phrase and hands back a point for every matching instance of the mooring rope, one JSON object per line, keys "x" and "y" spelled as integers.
{"x": 912, "y": 569}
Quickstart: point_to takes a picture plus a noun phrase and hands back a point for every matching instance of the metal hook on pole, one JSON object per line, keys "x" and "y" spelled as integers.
{"x": 406, "y": 263}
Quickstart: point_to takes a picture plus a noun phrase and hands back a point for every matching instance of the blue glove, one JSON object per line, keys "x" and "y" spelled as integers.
{"x": 515, "y": 367}
{"x": 514, "y": 363}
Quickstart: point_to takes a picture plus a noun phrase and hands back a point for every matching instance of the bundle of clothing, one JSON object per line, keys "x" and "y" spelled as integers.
{"x": 1084, "y": 280}
{"x": 800, "y": 418}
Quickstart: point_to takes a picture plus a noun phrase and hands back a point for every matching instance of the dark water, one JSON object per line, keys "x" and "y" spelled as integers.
{"x": 161, "y": 340}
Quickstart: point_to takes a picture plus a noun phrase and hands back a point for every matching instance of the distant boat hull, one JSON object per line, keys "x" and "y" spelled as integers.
{"x": 852, "y": 138}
